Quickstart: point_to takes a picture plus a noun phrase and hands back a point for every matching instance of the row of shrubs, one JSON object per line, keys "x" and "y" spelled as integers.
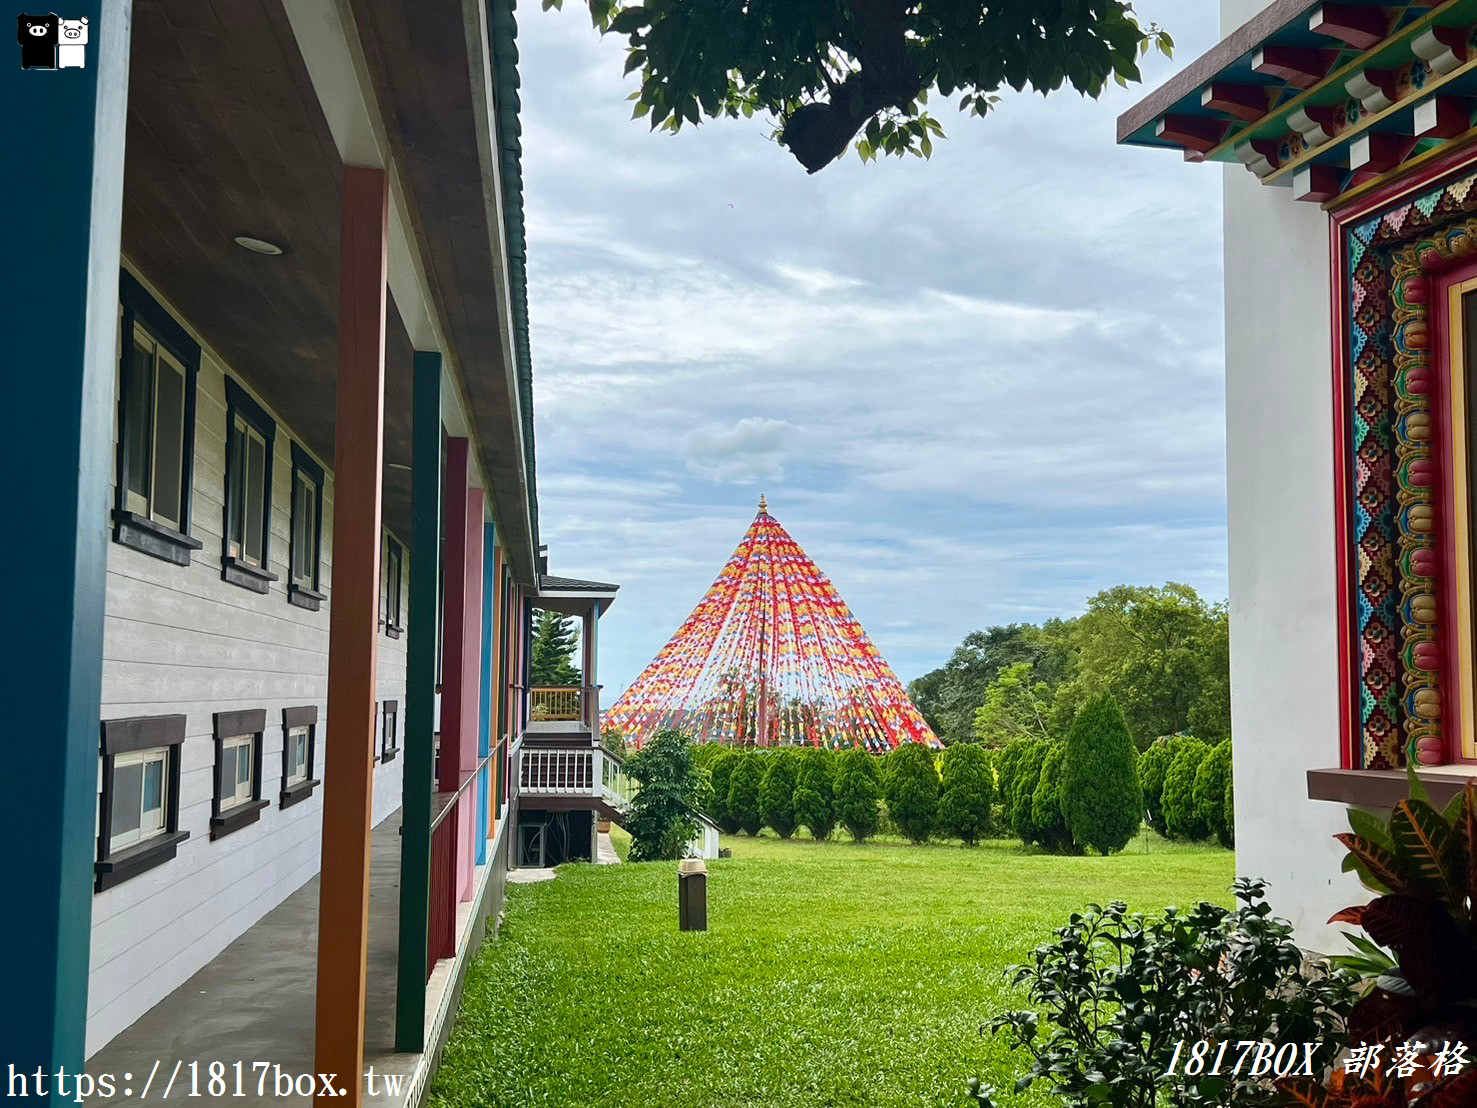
{"x": 1085, "y": 792}
{"x": 1188, "y": 789}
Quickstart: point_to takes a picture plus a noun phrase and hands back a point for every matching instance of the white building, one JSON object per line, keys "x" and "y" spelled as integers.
{"x": 1350, "y": 195}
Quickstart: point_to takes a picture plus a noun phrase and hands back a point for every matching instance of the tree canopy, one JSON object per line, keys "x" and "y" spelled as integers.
{"x": 830, "y": 72}
{"x": 1161, "y": 652}
{"x": 554, "y": 640}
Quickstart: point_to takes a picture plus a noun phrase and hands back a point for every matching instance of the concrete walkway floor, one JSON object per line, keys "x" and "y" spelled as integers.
{"x": 254, "y": 1004}
{"x": 607, "y": 855}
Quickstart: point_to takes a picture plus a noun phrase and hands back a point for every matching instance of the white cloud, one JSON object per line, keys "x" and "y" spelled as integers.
{"x": 977, "y": 389}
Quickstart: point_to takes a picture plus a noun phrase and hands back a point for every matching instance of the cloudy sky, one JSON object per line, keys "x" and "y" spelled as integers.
{"x": 976, "y": 389}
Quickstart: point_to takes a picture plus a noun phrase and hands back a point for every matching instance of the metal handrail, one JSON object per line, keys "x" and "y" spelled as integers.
{"x": 444, "y": 802}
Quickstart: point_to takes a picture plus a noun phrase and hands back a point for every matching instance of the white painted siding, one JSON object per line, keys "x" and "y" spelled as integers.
{"x": 178, "y": 639}
{"x": 1284, "y": 642}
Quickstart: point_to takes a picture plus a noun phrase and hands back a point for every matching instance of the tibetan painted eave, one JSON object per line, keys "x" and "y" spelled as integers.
{"x": 1323, "y": 98}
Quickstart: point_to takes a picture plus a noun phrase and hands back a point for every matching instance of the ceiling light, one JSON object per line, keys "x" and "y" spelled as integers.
{"x": 258, "y": 246}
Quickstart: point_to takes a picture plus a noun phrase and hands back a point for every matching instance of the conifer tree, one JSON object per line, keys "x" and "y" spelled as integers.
{"x": 1211, "y": 780}
{"x": 1180, "y": 817}
{"x": 743, "y": 791}
{"x": 1154, "y": 766}
{"x": 857, "y": 793}
{"x": 720, "y": 769}
{"x": 814, "y": 792}
{"x": 968, "y": 792}
{"x": 1049, "y": 822}
{"x": 554, "y": 638}
{"x": 777, "y": 793}
{"x": 912, "y": 787}
{"x": 1100, "y": 793}
{"x": 1026, "y": 777}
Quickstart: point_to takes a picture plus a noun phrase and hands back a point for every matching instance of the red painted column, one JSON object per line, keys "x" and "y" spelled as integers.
{"x": 455, "y": 664}
{"x": 353, "y": 635}
{"x": 471, "y": 689}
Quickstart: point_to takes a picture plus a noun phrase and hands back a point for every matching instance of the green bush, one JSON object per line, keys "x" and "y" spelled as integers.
{"x": 662, "y": 819}
{"x": 911, "y": 787}
{"x": 1180, "y": 818}
{"x": 1231, "y": 807}
{"x": 777, "y": 793}
{"x": 1114, "y": 1002}
{"x": 1023, "y": 788}
{"x": 1047, "y": 817}
{"x": 1154, "y": 766}
{"x": 968, "y": 792}
{"x": 1211, "y": 780}
{"x": 720, "y": 769}
{"x": 743, "y": 792}
{"x": 1101, "y": 798}
{"x": 857, "y": 793}
{"x": 1007, "y": 769}
{"x": 815, "y": 806}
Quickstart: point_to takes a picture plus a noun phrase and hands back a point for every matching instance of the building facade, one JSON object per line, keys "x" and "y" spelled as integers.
{"x": 1350, "y": 190}
{"x": 278, "y": 406}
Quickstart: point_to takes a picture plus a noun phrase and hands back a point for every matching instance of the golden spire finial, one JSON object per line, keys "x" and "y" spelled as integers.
{"x": 763, "y": 504}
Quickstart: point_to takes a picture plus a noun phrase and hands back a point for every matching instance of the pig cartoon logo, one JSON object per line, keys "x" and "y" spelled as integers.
{"x": 71, "y": 44}
{"x": 37, "y": 35}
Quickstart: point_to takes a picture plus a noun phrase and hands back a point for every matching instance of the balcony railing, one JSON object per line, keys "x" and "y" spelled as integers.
{"x": 597, "y": 774}
{"x": 556, "y": 702}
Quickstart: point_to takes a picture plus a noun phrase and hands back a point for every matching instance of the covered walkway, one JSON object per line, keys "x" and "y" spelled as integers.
{"x": 255, "y": 1002}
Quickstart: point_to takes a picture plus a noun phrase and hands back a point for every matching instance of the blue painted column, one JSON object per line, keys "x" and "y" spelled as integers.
{"x": 484, "y": 715}
{"x": 61, "y": 266}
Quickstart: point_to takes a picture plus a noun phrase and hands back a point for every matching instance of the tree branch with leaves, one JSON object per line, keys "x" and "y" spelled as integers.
{"x": 833, "y": 73}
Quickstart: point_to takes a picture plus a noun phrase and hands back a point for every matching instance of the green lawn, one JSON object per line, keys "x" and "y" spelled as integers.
{"x": 831, "y": 975}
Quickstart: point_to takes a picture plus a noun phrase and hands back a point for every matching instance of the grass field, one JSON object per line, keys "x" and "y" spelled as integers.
{"x": 831, "y": 975}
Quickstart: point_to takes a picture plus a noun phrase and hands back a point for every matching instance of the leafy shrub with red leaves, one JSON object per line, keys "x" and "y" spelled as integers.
{"x": 1423, "y": 863}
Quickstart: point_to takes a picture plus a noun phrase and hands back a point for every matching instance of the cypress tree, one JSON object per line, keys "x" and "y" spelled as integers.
{"x": 743, "y": 792}
{"x": 777, "y": 793}
{"x": 1180, "y": 816}
{"x": 968, "y": 792}
{"x": 857, "y": 793}
{"x": 1023, "y": 789}
{"x": 550, "y": 661}
{"x": 1100, "y": 793}
{"x": 814, "y": 792}
{"x": 1046, "y": 805}
{"x": 912, "y": 790}
{"x": 721, "y": 770}
{"x": 1153, "y": 769}
{"x": 1211, "y": 780}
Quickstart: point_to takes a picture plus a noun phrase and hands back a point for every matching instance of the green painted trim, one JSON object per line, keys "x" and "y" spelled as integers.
{"x": 420, "y": 706}
{"x": 503, "y": 39}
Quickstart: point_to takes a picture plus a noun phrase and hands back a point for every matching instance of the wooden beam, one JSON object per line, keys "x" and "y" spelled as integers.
{"x": 420, "y": 707}
{"x": 353, "y": 635}
{"x": 1300, "y": 66}
{"x": 1443, "y": 48}
{"x": 1376, "y": 89}
{"x": 467, "y": 806}
{"x": 486, "y": 740}
{"x": 62, "y": 350}
{"x": 1196, "y": 133}
{"x": 1247, "y": 102}
{"x": 454, "y": 659}
{"x": 1360, "y": 25}
{"x": 1442, "y": 117}
{"x": 1379, "y": 151}
{"x": 1317, "y": 183}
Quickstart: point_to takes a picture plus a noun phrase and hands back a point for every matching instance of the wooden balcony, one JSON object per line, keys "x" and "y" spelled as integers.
{"x": 574, "y": 778}
{"x": 553, "y": 703}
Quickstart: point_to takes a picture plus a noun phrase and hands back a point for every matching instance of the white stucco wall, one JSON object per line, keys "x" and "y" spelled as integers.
{"x": 1284, "y": 645}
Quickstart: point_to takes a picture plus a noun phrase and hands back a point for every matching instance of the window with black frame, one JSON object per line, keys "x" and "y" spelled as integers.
{"x": 392, "y": 572}
{"x": 250, "y": 439}
{"x": 306, "y": 556}
{"x": 158, "y": 364}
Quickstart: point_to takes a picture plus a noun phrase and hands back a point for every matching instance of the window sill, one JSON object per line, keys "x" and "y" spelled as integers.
{"x": 237, "y": 572}
{"x": 137, "y": 859}
{"x": 389, "y": 755}
{"x": 1385, "y": 788}
{"x": 295, "y": 794}
{"x": 304, "y": 597}
{"x": 394, "y": 632}
{"x": 144, "y": 535}
{"x": 243, "y": 815}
